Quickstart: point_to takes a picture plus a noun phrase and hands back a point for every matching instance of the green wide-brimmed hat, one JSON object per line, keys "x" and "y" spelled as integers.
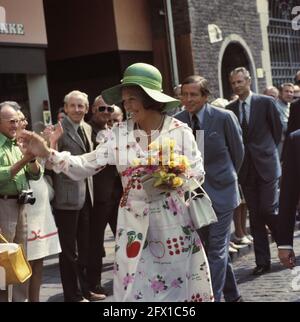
{"x": 146, "y": 77}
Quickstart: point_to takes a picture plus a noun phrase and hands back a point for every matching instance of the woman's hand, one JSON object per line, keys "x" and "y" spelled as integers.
{"x": 52, "y": 134}
{"x": 33, "y": 144}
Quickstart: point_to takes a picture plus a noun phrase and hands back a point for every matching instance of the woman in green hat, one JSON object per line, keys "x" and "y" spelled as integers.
{"x": 159, "y": 256}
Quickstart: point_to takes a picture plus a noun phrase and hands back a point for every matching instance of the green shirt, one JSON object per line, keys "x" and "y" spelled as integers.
{"x": 10, "y": 154}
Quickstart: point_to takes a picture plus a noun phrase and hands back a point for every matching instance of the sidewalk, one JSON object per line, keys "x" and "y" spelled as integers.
{"x": 277, "y": 286}
{"x": 51, "y": 289}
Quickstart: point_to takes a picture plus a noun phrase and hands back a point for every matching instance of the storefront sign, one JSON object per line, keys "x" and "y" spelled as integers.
{"x": 22, "y": 22}
{"x": 11, "y": 28}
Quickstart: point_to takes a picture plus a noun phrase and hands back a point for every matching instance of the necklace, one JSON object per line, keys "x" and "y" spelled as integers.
{"x": 152, "y": 131}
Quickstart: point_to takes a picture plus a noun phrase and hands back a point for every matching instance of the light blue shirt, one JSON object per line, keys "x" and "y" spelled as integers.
{"x": 247, "y": 108}
{"x": 284, "y": 112}
{"x": 200, "y": 116}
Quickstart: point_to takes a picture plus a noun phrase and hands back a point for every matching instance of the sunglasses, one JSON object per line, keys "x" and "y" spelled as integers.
{"x": 109, "y": 109}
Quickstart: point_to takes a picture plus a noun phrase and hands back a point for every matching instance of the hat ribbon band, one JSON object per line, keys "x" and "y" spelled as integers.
{"x": 142, "y": 80}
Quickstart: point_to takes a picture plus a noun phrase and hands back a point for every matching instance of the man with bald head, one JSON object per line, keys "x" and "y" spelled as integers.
{"x": 116, "y": 117}
{"x": 15, "y": 170}
{"x": 297, "y": 78}
{"x": 107, "y": 194}
{"x": 271, "y": 91}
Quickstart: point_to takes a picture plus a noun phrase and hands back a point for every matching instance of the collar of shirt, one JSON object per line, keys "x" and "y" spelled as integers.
{"x": 200, "y": 115}
{"x": 284, "y": 111}
{"x": 283, "y": 104}
{"x": 5, "y": 140}
{"x": 247, "y": 107}
{"x": 75, "y": 125}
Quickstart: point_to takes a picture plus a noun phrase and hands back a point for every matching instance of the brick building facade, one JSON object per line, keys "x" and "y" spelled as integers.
{"x": 241, "y": 42}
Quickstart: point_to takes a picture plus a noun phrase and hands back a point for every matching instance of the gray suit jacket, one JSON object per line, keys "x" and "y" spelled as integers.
{"x": 223, "y": 156}
{"x": 70, "y": 194}
{"x": 264, "y": 135}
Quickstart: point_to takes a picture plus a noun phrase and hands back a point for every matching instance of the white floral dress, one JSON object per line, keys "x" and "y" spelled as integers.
{"x": 159, "y": 256}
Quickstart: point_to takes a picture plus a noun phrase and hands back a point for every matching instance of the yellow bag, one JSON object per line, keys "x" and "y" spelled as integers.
{"x": 13, "y": 260}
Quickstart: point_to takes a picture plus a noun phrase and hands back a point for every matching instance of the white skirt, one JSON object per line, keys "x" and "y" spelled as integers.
{"x": 42, "y": 237}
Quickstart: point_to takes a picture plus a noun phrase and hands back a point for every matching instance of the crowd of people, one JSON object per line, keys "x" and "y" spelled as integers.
{"x": 85, "y": 175}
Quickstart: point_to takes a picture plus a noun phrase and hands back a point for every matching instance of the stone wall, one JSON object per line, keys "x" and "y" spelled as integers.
{"x": 235, "y": 17}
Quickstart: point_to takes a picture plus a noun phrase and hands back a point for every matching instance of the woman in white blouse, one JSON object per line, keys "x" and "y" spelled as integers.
{"x": 159, "y": 256}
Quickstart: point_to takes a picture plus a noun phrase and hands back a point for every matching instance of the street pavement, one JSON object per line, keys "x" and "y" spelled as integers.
{"x": 280, "y": 285}
{"x": 51, "y": 288}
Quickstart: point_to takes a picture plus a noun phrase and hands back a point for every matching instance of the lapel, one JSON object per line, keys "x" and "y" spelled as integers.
{"x": 235, "y": 109}
{"x": 72, "y": 134}
{"x": 186, "y": 118}
{"x": 88, "y": 134}
{"x": 253, "y": 102}
{"x": 207, "y": 120}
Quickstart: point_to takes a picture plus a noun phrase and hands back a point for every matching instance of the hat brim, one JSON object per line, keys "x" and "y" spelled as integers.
{"x": 113, "y": 95}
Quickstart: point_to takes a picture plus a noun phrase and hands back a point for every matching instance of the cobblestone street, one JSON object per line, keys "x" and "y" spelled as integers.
{"x": 280, "y": 285}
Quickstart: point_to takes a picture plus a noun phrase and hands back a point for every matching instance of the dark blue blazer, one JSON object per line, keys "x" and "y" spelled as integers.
{"x": 223, "y": 155}
{"x": 294, "y": 119}
{"x": 290, "y": 189}
{"x": 264, "y": 135}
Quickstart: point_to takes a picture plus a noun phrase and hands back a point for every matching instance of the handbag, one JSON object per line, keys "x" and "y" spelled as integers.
{"x": 13, "y": 260}
{"x": 200, "y": 207}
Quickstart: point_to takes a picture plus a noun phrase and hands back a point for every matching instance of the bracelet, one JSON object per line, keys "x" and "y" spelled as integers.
{"x": 32, "y": 161}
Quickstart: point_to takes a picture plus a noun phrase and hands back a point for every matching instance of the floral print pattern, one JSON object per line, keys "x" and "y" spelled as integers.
{"x": 165, "y": 260}
{"x": 129, "y": 278}
{"x": 167, "y": 265}
{"x": 158, "y": 284}
{"x": 176, "y": 283}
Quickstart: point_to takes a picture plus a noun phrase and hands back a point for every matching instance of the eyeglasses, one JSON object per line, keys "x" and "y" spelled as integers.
{"x": 11, "y": 121}
{"x": 109, "y": 109}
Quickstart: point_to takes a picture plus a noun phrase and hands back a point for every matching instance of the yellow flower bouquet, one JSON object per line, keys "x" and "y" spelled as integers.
{"x": 166, "y": 170}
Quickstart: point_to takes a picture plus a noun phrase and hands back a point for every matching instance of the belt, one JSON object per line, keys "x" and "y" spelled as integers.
{"x": 9, "y": 197}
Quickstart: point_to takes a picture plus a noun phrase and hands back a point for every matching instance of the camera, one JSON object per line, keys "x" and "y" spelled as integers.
{"x": 26, "y": 196}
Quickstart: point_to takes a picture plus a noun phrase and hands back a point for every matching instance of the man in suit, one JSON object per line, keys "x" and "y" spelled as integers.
{"x": 223, "y": 155}
{"x": 294, "y": 118}
{"x": 289, "y": 196}
{"x": 73, "y": 202}
{"x": 286, "y": 96}
{"x": 261, "y": 170}
{"x": 108, "y": 190}
{"x": 293, "y": 124}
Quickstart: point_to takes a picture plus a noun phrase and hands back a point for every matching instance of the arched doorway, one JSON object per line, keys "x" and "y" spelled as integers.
{"x": 234, "y": 56}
